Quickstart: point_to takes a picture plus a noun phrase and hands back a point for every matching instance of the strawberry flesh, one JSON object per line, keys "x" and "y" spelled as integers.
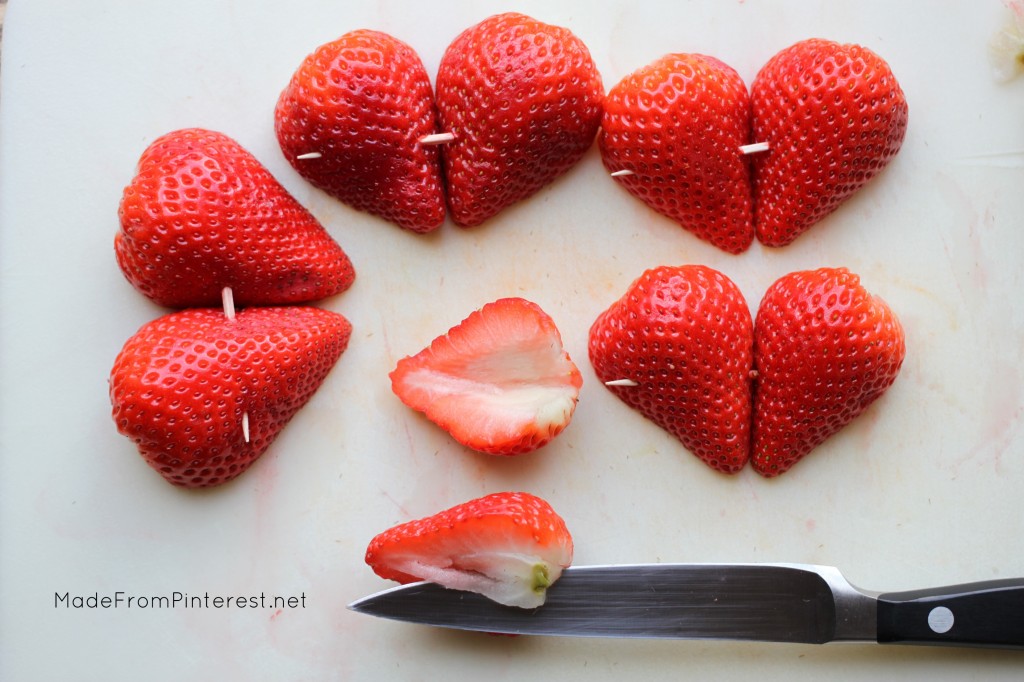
{"x": 684, "y": 335}
{"x": 499, "y": 382}
{"x": 202, "y": 214}
{"x": 181, "y": 385}
{"x": 834, "y": 117}
{"x": 509, "y": 547}
{"x": 363, "y": 102}
{"x": 677, "y": 125}
{"x": 825, "y": 349}
{"x": 523, "y": 99}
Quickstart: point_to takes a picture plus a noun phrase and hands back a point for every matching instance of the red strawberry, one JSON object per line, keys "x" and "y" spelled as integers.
{"x": 677, "y": 125}
{"x": 824, "y": 350}
{"x": 202, "y": 214}
{"x": 523, "y": 100}
{"x": 185, "y": 384}
{"x": 834, "y": 116}
{"x": 509, "y": 547}
{"x": 363, "y": 102}
{"x": 498, "y": 382}
{"x": 684, "y": 338}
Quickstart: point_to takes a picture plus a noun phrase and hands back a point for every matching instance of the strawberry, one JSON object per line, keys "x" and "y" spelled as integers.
{"x": 202, "y": 214}
{"x": 682, "y": 339}
{"x": 834, "y": 117}
{"x": 677, "y": 125}
{"x": 186, "y": 384}
{"x": 363, "y": 102}
{"x": 523, "y": 100}
{"x": 824, "y": 350}
{"x": 509, "y": 547}
{"x": 499, "y": 382}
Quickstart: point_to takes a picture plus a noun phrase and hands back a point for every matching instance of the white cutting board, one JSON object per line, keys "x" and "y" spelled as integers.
{"x": 924, "y": 489}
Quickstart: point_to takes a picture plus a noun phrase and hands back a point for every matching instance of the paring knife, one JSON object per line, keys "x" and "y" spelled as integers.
{"x": 764, "y": 602}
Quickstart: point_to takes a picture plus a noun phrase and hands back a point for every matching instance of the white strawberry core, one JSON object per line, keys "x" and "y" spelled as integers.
{"x": 508, "y": 578}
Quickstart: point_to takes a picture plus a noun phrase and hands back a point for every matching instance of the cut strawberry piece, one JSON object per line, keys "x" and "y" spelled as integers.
{"x": 682, "y": 339}
{"x": 523, "y": 100}
{"x": 184, "y": 386}
{"x": 202, "y": 214}
{"x": 498, "y": 382}
{"x": 824, "y": 350}
{"x": 833, "y": 116}
{"x": 351, "y": 121}
{"x": 677, "y": 125}
{"x": 509, "y": 547}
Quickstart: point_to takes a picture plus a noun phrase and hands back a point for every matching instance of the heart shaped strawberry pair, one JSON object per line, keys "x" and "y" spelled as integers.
{"x": 518, "y": 102}
{"x": 680, "y": 347}
{"x": 204, "y": 392}
{"x": 820, "y": 121}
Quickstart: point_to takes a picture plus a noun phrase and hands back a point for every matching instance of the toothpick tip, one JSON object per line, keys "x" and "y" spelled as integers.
{"x": 621, "y": 382}
{"x": 622, "y": 173}
{"x": 309, "y": 155}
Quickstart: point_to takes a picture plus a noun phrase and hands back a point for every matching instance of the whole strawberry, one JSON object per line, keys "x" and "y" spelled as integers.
{"x": 203, "y": 396}
{"x": 202, "y": 214}
{"x": 351, "y": 122}
{"x": 681, "y": 341}
{"x": 824, "y": 350}
{"x": 523, "y": 100}
{"x": 677, "y": 126}
{"x": 834, "y": 117}
{"x": 509, "y": 547}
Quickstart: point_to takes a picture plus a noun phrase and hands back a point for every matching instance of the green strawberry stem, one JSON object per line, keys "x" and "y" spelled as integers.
{"x": 540, "y": 580}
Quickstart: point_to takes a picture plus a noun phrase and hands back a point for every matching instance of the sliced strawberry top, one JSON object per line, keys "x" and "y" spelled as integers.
{"x": 507, "y": 546}
{"x": 499, "y": 382}
{"x": 202, "y": 213}
{"x": 180, "y": 387}
{"x": 825, "y": 349}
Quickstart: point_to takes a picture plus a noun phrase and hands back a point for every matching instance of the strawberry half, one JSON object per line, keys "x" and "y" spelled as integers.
{"x": 677, "y": 126}
{"x": 509, "y": 547}
{"x": 362, "y": 103}
{"x": 682, "y": 338}
{"x": 824, "y": 350}
{"x": 834, "y": 117}
{"x": 523, "y": 100}
{"x": 202, "y": 214}
{"x": 184, "y": 386}
{"x": 498, "y": 382}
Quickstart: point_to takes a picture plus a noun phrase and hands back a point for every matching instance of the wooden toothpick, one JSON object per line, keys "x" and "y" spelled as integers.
{"x": 437, "y": 138}
{"x": 754, "y": 148}
{"x": 309, "y": 155}
{"x": 228, "y": 300}
{"x": 622, "y": 173}
{"x": 621, "y": 382}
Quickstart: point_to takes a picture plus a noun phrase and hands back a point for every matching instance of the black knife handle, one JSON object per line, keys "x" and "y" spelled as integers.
{"x": 986, "y": 614}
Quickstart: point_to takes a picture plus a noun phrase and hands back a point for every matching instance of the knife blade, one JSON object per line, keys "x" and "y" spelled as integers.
{"x": 764, "y": 602}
